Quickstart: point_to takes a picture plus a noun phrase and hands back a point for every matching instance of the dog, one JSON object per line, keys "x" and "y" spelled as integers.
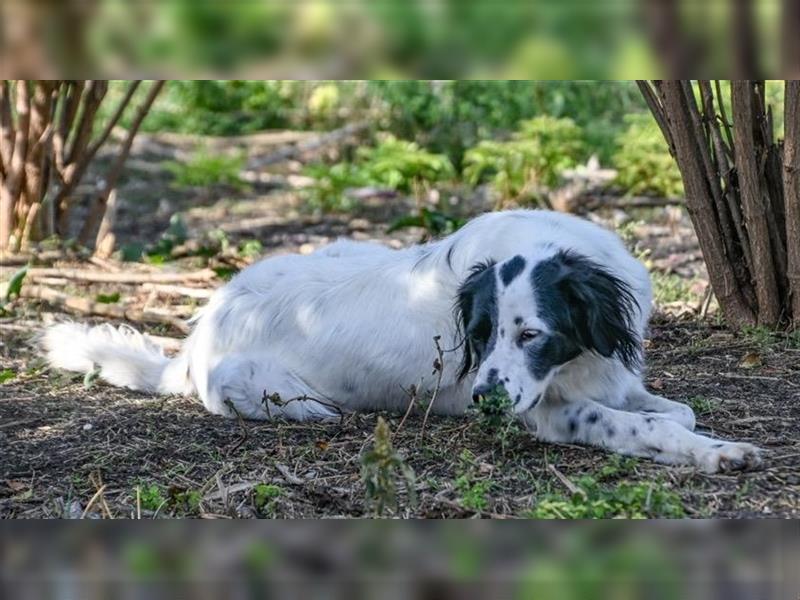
{"x": 547, "y": 308}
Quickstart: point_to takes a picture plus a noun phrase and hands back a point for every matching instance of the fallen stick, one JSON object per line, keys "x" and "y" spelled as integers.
{"x": 122, "y": 277}
{"x": 178, "y": 290}
{"x": 87, "y": 306}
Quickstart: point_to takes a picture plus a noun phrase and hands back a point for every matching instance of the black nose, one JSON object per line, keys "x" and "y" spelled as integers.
{"x": 482, "y": 390}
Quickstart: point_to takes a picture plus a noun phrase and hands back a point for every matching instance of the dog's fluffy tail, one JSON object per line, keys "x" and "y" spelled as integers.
{"x": 125, "y": 357}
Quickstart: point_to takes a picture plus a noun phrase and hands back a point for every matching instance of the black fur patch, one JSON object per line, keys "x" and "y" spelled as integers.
{"x": 511, "y": 269}
{"x": 588, "y": 307}
{"x": 476, "y": 310}
{"x": 592, "y": 417}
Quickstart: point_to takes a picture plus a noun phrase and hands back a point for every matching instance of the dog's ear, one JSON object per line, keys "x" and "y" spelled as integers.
{"x": 474, "y": 306}
{"x": 603, "y": 309}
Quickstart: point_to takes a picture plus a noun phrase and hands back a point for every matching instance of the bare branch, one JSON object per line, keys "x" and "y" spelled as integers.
{"x": 657, "y": 110}
{"x": 98, "y": 208}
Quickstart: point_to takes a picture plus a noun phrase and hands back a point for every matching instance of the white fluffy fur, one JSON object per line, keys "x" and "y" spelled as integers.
{"x": 351, "y": 327}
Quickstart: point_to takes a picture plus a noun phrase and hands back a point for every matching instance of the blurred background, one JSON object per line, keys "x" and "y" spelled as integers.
{"x": 321, "y": 39}
{"x": 327, "y": 560}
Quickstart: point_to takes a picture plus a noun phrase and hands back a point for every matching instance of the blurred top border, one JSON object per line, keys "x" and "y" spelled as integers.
{"x": 399, "y": 39}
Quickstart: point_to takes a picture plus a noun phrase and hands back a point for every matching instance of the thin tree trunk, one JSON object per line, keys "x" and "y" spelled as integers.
{"x": 755, "y": 203}
{"x": 12, "y": 182}
{"x": 700, "y": 204}
{"x": 791, "y": 192}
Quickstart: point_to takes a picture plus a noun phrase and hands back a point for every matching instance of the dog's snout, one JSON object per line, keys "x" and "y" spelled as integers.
{"x": 483, "y": 389}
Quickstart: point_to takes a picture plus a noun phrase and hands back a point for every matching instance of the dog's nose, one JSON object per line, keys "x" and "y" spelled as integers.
{"x": 482, "y": 390}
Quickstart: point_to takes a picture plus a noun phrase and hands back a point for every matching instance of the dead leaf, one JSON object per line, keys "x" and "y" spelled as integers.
{"x": 15, "y": 485}
{"x": 751, "y": 360}
{"x": 657, "y": 384}
{"x": 322, "y": 445}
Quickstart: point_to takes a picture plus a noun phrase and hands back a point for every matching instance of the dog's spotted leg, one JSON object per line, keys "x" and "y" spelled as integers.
{"x": 637, "y": 434}
{"x": 639, "y": 399}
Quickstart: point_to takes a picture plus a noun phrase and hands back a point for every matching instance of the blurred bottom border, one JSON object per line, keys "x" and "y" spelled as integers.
{"x": 387, "y": 559}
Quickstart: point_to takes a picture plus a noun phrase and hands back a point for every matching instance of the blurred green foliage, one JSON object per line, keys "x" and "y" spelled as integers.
{"x": 515, "y": 134}
{"x": 436, "y": 223}
{"x": 205, "y": 168}
{"x": 541, "y": 149}
{"x": 392, "y": 164}
{"x": 643, "y": 161}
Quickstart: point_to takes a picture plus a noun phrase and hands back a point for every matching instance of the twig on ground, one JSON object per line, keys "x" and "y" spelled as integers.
{"x": 86, "y": 306}
{"x": 438, "y": 367}
{"x": 412, "y": 400}
{"x": 288, "y": 475}
{"x": 242, "y": 426}
{"x": 573, "y": 489}
{"x": 121, "y": 277}
{"x": 178, "y": 290}
{"x": 92, "y": 500}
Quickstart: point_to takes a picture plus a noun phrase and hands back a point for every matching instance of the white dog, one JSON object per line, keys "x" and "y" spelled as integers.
{"x": 549, "y": 308}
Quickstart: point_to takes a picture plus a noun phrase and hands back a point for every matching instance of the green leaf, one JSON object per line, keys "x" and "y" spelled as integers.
{"x": 6, "y": 374}
{"x": 15, "y": 283}
{"x": 107, "y": 298}
{"x": 406, "y": 222}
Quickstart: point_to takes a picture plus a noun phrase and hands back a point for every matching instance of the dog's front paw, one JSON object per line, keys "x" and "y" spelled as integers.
{"x": 725, "y": 457}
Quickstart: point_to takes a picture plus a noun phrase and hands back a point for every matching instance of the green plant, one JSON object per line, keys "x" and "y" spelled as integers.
{"x": 6, "y": 375}
{"x": 703, "y": 405}
{"x": 205, "y": 168}
{"x": 622, "y": 500}
{"x": 381, "y": 467}
{"x": 643, "y": 162}
{"x": 541, "y": 149}
{"x": 151, "y": 497}
{"x": 111, "y": 298}
{"x": 189, "y": 500}
{"x": 331, "y": 184}
{"x": 473, "y": 494}
{"x": 435, "y": 222}
{"x": 394, "y": 164}
{"x": 403, "y": 165}
{"x": 672, "y": 288}
{"x": 265, "y": 497}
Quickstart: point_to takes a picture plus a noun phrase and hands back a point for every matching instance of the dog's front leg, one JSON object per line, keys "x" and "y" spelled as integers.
{"x": 635, "y": 434}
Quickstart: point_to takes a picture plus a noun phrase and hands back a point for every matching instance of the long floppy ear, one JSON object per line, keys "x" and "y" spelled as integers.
{"x": 474, "y": 306}
{"x": 603, "y": 309}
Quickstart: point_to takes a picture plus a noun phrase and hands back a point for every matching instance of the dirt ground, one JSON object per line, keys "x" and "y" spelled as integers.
{"x": 72, "y": 448}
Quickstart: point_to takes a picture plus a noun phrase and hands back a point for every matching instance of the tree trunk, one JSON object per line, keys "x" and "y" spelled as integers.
{"x": 791, "y": 193}
{"x": 742, "y": 192}
{"x": 46, "y": 146}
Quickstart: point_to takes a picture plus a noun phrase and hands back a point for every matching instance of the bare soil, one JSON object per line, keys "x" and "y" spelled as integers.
{"x": 72, "y": 449}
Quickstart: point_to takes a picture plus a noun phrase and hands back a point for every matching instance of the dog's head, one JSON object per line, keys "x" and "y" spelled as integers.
{"x": 526, "y": 317}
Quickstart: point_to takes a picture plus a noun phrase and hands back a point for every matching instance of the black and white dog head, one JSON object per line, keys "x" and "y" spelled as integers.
{"x": 526, "y": 317}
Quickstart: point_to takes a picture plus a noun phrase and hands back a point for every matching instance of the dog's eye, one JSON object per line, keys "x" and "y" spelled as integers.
{"x": 528, "y": 334}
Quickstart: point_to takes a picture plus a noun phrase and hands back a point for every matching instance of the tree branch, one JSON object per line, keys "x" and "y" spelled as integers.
{"x": 98, "y": 208}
